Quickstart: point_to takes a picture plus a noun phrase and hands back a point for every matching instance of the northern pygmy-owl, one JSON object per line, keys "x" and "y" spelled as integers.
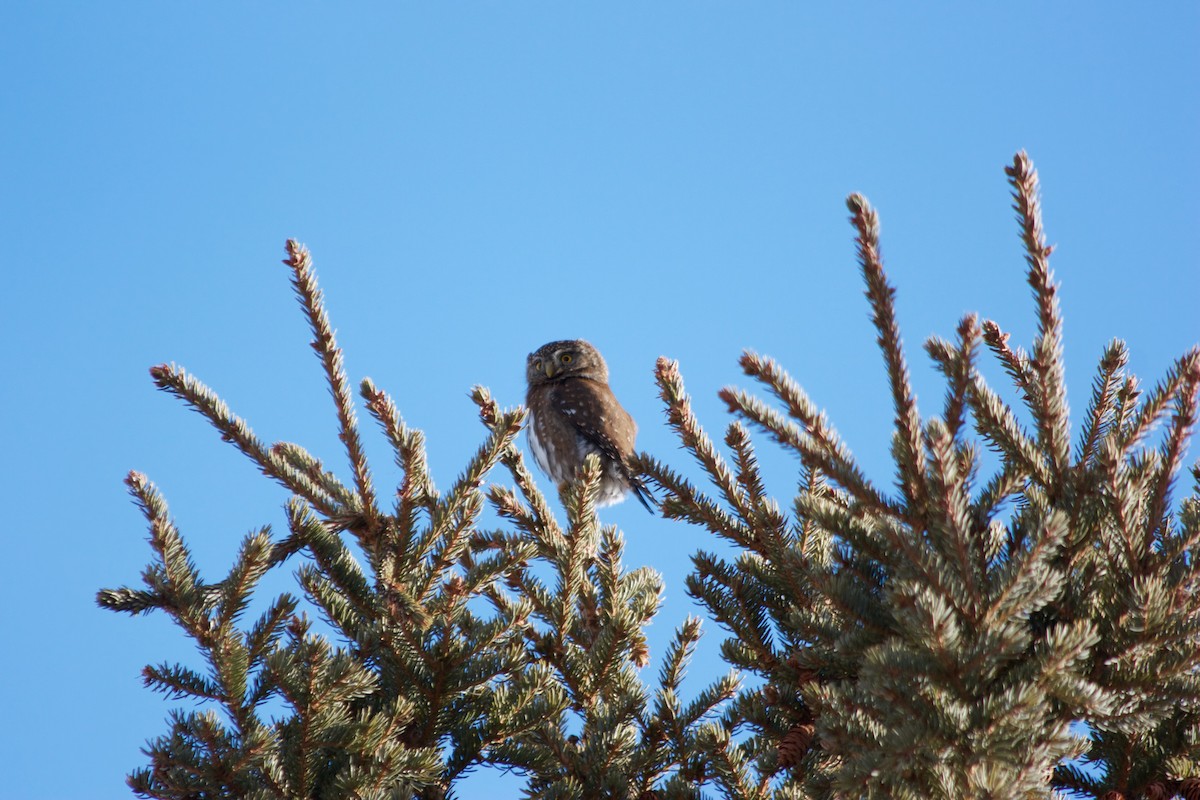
{"x": 572, "y": 412}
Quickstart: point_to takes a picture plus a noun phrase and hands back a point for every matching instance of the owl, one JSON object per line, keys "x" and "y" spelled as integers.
{"x": 572, "y": 412}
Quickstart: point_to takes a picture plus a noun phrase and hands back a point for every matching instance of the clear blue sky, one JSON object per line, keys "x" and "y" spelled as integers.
{"x": 461, "y": 172}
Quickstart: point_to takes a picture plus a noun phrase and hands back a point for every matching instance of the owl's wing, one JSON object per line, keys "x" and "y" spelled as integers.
{"x": 597, "y": 416}
{"x": 593, "y": 410}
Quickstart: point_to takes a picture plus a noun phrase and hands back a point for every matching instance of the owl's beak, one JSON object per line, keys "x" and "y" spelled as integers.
{"x": 548, "y": 367}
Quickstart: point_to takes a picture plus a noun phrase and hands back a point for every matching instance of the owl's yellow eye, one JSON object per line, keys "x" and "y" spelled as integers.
{"x": 565, "y": 358}
{"x": 538, "y": 365}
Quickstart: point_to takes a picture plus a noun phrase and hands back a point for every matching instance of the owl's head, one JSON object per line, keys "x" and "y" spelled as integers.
{"x": 572, "y": 358}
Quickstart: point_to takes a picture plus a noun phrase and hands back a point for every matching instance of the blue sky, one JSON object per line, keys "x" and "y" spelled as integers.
{"x": 476, "y": 179}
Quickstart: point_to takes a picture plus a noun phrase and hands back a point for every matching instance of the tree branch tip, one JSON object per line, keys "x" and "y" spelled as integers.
{"x": 162, "y": 373}
{"x": 489, "y": 409}
{"x": 858, "y": 204}
{"x": 1022, "y": 164}
{"x": 376, "y": 398}
{"x": 729, "y": 395}
{"x": 1192, "y": 363}
{"x": 367, "y": 387}
{"x": 666, "y": 369}
{"x": 993, "y": 333}
{"x": 285, "y": 449}
{"x": 297, "y": 253}
{"x": 752, "y": 363}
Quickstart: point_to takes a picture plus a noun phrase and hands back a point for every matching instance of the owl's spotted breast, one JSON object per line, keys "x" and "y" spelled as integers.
{"x": 546, "y": 440}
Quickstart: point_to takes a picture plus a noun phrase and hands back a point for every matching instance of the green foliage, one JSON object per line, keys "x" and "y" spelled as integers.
{"x": 942, "y": 639}
{"x": 941, "y": 642}
{"x": 438, "y": 667}
{"x": 590, "y": 639}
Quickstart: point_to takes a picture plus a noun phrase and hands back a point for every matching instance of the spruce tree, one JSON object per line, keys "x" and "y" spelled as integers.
{"x": 940, "y": 640}
{"x": 957, "y": 635}
{"x": 449, "y": 651}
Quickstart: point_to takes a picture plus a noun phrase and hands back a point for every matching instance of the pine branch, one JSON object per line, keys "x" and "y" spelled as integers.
{"x": 311, "y": 467}
{"x": 1179, "y": 433}
{"x": 957, "y": 526}
{"x": 179, "y": 682}
{"x": 453, "y": 518}
{"x": 998, "y": 426}
{"x": 252, "y": 563}
{"x": 1050, "y": 405}
{"x": 693, "y": 437}
{"x": 269, "y": 627}
{"x": 1016, "y": 362}
{"x": 763, "y": 511}
{"x": 304, "y": 281}
{"x": 131, "y": 601}
{"x": 1025, "y": 579}
{"x": 911, "y": 452}
{"x": 684, "y": 501}
{"x": 175, "y": 579}
{"x": 332, "y": 556}
{"x": 957, "y": 364}
{"x": 234, "y": 430}
{"x": 817, "y": 442}
{"x": 416, "y": 487}
{"x": 1102, "y": 409}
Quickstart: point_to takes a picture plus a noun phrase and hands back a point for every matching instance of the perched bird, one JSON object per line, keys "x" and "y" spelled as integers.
{"x": 572, "y": 412}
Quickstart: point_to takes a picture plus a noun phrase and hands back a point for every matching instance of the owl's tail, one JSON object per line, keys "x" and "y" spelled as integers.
{"x": 642, "y": 492}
